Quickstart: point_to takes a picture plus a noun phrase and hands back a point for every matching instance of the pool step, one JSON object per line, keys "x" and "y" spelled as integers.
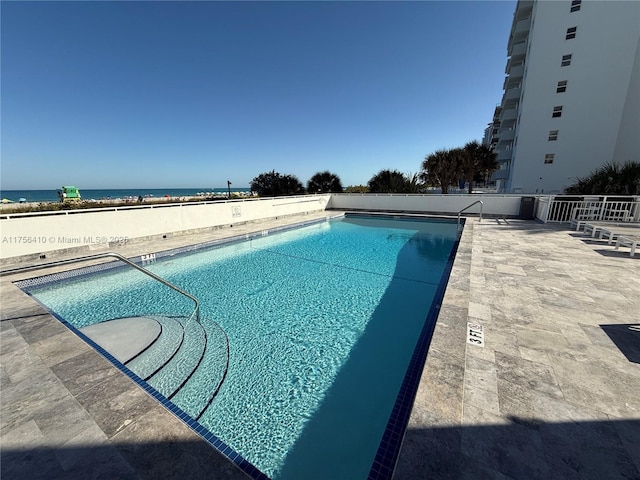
{"x": 179, "y": 357}
{"x": 177, "y": 371}
{"x": 126, "y": 337}
{"x": 198, "y": 392}
{"x": 161, "y": 351}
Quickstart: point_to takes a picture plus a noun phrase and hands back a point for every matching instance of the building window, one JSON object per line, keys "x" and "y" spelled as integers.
{"x": 548, "y": 158}
{"x": 571, "y": 33}
{"x": 557, "y": 112}
{"x": 575, "y": 5}
{"x": 553, "y": 135}
{"x": 566, "y": 60}
{"x": 562, "y": 87}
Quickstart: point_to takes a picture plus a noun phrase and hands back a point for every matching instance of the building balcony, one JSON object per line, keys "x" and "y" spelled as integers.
{"x": 507, "y": 135}
{"x": 500, "y": 174}
{"x": 512, "y": 94}
{"x": 504, "y": 155}
{"x": 521, "y": 29}
{"x": 508, "y": 114}
{"x": 508, "y": 124}
{"x": 510, "y": 82}
{"x": 518, "y": 50}
{"x": 515, "y": 72}
{"x": 523, "y": 9}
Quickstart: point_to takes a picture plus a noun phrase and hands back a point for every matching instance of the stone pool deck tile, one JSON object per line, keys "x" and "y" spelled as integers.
{"x": 553, "y": 393}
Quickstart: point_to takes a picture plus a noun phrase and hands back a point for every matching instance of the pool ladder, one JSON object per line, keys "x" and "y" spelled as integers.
{"x": 195, "y": 314}
{"x": 469, "y": 206}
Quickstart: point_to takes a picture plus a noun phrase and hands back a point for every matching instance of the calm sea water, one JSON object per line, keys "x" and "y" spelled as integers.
{"x": 99, "y": 194}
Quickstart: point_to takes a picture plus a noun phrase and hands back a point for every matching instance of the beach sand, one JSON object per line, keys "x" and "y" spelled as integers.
{"x": 16, "y": 207}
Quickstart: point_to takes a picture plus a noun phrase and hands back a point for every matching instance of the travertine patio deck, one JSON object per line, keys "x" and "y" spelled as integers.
{"x": 554, "y": 393}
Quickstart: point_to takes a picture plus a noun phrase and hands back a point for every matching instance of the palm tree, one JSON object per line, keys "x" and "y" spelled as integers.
{"x": 413, "y": 183}
{"x": 468, "y": 167}
{"x": 273, "y": 184}
{"x": 630, "y": 178}
{"x": 442, "y": 168}
{"x": 389, "y": 181}
{"x": 324, "y": 182}
{"x": 478, "y": 161}
{"x": 610, "y": 179}
{"x": 290, "y": 185}
{"x": 488, "y": 162}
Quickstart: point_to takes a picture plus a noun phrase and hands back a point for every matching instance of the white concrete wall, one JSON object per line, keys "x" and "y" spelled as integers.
{"x": 501, "y": 205}
{"x": 598, "y": 89}
{"x": 37, "y": 233}
{"x": 34, "y": 233}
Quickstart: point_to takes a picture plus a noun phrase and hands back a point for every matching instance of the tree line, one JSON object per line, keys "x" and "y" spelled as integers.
{"x": 441, "y": 169}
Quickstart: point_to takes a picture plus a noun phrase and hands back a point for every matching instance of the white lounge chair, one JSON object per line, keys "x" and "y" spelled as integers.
{"x": 628, "y": 241}
{"x": 592, "y": 228}
{"x": 595, "y": 228}
{"x": 611, "y": 233}
{"x": 579, "y": 224}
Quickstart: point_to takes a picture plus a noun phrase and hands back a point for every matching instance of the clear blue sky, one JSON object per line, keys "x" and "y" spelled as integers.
{"x": 192, "y": 94}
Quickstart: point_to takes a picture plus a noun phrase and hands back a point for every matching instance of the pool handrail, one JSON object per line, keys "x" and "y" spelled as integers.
{"x": 57, "y": 263}
{"x": 469, "y": 206}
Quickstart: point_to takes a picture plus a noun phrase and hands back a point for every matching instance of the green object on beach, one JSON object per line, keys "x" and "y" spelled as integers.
{"x": 69, "y": 194}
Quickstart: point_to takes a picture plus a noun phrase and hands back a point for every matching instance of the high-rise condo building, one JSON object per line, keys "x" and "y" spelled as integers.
{"x": 571, "y": 98}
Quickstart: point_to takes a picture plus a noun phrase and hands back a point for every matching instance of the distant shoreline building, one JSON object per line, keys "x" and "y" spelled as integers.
{"x": 571, "y": 98}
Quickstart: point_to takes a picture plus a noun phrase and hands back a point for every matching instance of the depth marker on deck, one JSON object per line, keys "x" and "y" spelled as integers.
{"x": 475, "y": 334}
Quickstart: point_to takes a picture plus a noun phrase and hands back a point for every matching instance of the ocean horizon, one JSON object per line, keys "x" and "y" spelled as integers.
{"x": 114, "y": 193}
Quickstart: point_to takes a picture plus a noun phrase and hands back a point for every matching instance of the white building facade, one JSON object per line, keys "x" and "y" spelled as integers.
{"x": 571, "y": 98}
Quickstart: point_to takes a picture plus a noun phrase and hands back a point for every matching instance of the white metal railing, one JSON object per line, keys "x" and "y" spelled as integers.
{"x": 561, "y": 209}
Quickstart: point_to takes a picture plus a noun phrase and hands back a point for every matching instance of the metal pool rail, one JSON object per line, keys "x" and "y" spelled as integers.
{"x": 28, "y": 268}
{"x": 469, "y": 206}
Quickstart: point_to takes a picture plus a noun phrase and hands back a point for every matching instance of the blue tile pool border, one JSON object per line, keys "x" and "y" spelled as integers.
{"x": 139, "y": 259}
{"x": 389, "y": 448}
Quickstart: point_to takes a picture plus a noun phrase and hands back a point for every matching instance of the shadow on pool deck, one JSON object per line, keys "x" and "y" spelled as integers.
{"x": 524, "y": 449}
{"x": 521, "y": 449}
{"x": 626, "y": 338}
{"x": 184, "y": 460}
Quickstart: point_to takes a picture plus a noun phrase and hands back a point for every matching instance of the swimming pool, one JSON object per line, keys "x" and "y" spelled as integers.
{"x": 327, "y": 325}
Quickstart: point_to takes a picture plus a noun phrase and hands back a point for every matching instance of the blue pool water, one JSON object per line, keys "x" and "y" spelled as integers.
{"x": 322, "y": 322}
